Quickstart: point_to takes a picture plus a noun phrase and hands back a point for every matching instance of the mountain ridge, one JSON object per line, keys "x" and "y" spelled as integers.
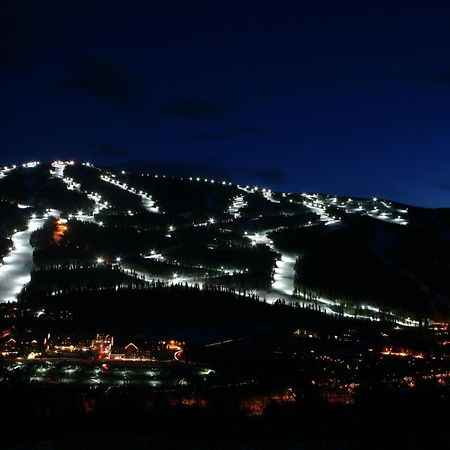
{"x": 349, "y": 256}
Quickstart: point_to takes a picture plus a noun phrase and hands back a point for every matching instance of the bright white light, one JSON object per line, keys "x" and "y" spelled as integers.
{"x": 15, "y": 271}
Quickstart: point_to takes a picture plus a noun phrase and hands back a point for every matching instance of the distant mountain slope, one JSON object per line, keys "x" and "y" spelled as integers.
{"x": 368, "y": 261}
{"x": 368, "y": 258}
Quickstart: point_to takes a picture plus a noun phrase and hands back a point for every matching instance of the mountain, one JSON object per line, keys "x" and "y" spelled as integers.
{"x": 92, "y": 227}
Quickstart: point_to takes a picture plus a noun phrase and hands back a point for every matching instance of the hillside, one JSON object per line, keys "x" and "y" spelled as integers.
{"x": 368, "y": 258}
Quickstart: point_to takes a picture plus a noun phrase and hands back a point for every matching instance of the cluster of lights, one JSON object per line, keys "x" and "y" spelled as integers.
{"x": 30, "y": 165}
{"x": 268, "y": 195}
{"x": 6, "y": 169}
{"x": 16, "y": 265}
{"x": 318, "y": 206}
{"x": 101, "y": 260}
{"x": 237, "y": 204}
{"x": 58, "y": 171}
{"x": 146, "y": 198}
{"x": 374, "y": 208}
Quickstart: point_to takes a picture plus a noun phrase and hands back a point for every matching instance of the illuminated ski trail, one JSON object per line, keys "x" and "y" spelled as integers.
{"x": 15, "y": 272}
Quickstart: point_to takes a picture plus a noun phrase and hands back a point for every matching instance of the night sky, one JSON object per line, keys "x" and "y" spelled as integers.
{"x": 340, "y": 97}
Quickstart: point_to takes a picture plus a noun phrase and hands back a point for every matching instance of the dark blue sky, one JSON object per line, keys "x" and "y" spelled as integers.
{"x": 339, "y": 97}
